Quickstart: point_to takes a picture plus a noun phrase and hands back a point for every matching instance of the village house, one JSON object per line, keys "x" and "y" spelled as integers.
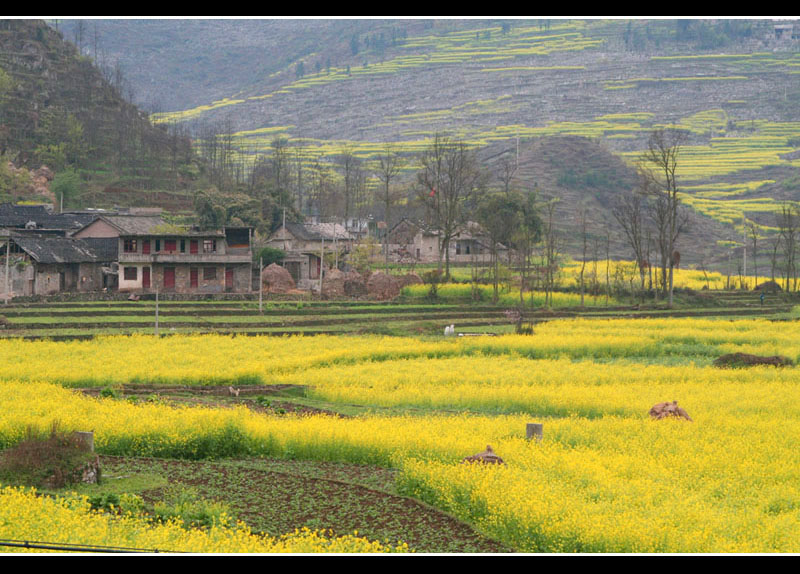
{"x": 304, "y": 245}
{"x": 157, "y": 256}
{"x": 46, "y": 265}
{"x": 411, "y": 240}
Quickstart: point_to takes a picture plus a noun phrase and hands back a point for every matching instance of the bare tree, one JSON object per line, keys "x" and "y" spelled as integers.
{"x": 449, "y": 178}
{"x": 506, "y": 173}
{"x": 583, "y": 258}
{"x": 660, "y": 162}
{"x": 389, "y": 164}
{"x": 753, "y": 232}
{"x": 789, "y": 229}
{"x": 551, "y": 250}
{"x": 629, "y": 211}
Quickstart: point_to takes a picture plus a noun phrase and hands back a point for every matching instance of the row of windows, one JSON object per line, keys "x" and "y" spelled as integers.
{"x": 169, "y": 245}
{"x": 132, "y": 274}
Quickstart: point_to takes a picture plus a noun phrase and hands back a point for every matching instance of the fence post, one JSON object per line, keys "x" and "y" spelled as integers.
{"x": 534, "y": 431}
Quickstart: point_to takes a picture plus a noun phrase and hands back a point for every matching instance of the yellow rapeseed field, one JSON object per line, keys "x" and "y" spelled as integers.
{"x": 605, "y": 477}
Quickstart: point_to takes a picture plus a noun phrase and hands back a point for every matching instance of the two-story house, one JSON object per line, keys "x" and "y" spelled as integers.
{"x": 157, "y": 256}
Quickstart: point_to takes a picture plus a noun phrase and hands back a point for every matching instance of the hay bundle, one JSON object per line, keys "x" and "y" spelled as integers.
{"x": 276, "y": 279}
{"x": 410, "y": 279}
{"x": 382, "y": 286}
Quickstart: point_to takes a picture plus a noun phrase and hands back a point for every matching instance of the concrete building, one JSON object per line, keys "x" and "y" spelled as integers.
{"x": 155, "y": 255}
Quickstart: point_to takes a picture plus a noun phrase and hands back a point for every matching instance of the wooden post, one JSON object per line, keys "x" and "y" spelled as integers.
{"x": 534, "y": 431}
{"x": 8, "y": 257}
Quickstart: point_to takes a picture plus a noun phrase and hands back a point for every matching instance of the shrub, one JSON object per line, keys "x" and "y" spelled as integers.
{"x": 43, "y": 460}
{"x": 269, "y": 255}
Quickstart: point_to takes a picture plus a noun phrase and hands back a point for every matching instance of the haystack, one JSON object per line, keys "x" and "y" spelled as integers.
{"x": 410, "y": 279}
{"x": 276, "y": 279}
{"x": 382, "y": 286}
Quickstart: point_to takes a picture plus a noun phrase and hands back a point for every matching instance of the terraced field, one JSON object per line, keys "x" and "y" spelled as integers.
{"x": 415, "y": 316}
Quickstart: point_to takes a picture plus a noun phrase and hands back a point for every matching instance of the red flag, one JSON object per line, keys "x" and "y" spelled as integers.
{"x": 433, "y": 192}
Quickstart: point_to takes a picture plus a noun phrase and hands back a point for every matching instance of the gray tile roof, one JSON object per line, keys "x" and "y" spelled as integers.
{"x": 68, "y": 250}
{"x": 19, "y": 216}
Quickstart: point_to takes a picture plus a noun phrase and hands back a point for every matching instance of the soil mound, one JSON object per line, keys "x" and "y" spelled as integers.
{"x": 277, "y": 279}
{"x": 667, "y": 409}
{"x": 737, "y": 360}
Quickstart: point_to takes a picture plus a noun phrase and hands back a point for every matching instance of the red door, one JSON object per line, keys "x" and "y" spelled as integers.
{"x": 169, "y": 278}
{"x": 229, "y": 279}
{"x": 193, "y": 277}
{"x": 193, "y": 246}
{"x": 145, "y": 277}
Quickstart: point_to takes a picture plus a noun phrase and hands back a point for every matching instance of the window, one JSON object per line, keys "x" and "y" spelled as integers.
{"x": 209, "y": 245}
{"x": 130, "y": 273}
{"x": 183, "y": 246}
{"x": 129, "y": 246}
{"x": 158, "y": 245}
{"x": 209, "y": 273}
{"x": 170, "y": 245}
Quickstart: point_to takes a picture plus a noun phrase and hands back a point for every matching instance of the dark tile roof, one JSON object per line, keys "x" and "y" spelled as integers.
{"x": 18, "y": 216}
{"x": 68, "y": 250}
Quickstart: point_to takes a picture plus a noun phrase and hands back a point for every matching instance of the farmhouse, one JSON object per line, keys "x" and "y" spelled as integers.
{"x": 46, "y": 265}
{"x": 470, "y": 245}
{"x": 157, "y": 256}
{"x": 304, "y": 245}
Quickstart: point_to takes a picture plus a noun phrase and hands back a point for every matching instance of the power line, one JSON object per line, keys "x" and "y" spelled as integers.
{"x": 39, "y": 545}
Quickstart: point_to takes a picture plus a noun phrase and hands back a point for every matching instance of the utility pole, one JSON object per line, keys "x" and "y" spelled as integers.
{"x": 321, "y": 264}
{"x": 155, "y": 279}
{"x": 260, "y": 284}
{"x": 8, "y": 257}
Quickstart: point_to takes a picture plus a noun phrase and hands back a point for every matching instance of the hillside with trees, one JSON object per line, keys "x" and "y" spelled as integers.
{"x": 58, "y": 110}
{"x": 298, "y": 114}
